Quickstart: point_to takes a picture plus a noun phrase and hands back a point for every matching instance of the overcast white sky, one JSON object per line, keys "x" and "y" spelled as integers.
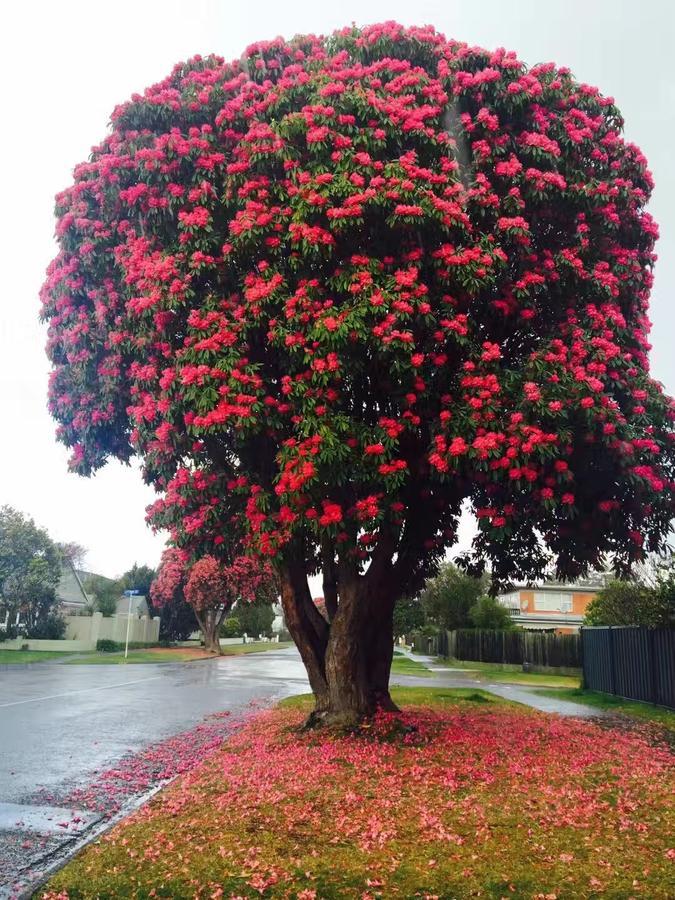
{"x": 68, "y": 63}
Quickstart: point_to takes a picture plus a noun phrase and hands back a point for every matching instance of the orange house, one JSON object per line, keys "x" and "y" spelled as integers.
{"x": 551, "y": 605}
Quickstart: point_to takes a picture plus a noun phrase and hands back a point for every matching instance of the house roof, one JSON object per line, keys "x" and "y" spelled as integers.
{"x": 68, "y": 590}
{"x": 557, "y": 587}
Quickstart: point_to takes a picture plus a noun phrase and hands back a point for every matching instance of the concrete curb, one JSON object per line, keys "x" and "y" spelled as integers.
{"x": 64, "y": 854}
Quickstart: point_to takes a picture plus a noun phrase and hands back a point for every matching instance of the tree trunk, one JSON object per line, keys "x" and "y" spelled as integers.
{"x": 359, "y": 654}
{"x": 209, "y": 622}
{"x": 381, "y": 656}
{"x": 308, "y": 629}
{"x": 348, "y": 661}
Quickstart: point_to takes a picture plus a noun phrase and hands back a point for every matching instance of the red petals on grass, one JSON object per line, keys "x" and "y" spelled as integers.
{"x": 476, "y": 800}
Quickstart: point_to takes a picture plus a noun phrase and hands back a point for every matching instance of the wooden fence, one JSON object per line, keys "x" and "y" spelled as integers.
{"x": 632, "y": 662}
{"x": 539, "y": 649}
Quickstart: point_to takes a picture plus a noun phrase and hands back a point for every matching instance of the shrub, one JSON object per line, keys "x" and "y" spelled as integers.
{"x": 51, "y": 628}
{"x": 488, "y": 612}
{"x": 10, "y": 633}
{"x": 107, "y": 646}
{"x": 230, "y": 628}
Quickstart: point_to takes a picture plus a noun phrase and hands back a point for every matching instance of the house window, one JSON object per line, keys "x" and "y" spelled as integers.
{"x": 510, "y": 601}
{"x": 552, "y": 601}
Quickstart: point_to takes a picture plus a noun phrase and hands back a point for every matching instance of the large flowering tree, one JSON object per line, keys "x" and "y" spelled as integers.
{"x": 332, "y": 290}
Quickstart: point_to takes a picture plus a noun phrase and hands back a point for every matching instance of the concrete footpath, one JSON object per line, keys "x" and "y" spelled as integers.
{"x": 444, "y": 676}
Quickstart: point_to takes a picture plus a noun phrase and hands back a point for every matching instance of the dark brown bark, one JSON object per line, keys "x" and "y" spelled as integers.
{"x": 209, "y": 622}
{"x": 381, "y": 656}
{"x": 309, "y": 634}
{"x": 350, "y": 697}
{"x": 348, "y": 660}
{"x": 359, "y": 653}
{"x": 330, "y": 577}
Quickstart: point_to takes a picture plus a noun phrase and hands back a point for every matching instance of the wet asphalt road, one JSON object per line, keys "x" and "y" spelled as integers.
{"x": 60, "y": 724}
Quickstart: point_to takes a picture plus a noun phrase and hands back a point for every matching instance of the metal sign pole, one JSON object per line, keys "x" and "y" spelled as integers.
{"x": 128, "y": 594}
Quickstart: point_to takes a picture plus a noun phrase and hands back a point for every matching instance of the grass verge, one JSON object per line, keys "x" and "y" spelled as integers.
{"x": 404, "y": 665}
{"x": 13, "y": 657}
{"x": 510, "y": 674}
{"x": 481, "y": 798}
{"x": 256, "y": 647}
{"x": 658, "y": 714}
{"x": 169, "y": 654}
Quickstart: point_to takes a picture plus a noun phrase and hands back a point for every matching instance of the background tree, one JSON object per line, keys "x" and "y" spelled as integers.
{"x": 167, "y": 597}
{"x": 488, "y": 612}
{"x": 211, "y": 588}
{"x": 72, "y": 554}
{"x": 448, "y": 597}
{"x": 177, "y": 620}
{"x": 30, "y": 568}
{"x": 332, "y": 290}
{"x": 206, "y": 591}
{"x": 408, "y": 616}
{"x": 255, "y": 618}
{"x": 137, "y": 578}
{"x": 633, "y": 603}
{"x": 106, "y": 592}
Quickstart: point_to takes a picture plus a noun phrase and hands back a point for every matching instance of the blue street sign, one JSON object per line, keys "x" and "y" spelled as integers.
{"x": 130, "y": 593}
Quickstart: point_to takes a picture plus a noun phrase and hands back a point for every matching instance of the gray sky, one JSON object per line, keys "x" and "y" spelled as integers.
{"x": 67, "y": 64}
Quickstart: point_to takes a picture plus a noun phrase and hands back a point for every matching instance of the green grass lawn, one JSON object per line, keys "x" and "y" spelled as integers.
{"x": 415, "y": 696}
{"x": 658, "y": 714}
{"x": 255, "y": 647}
{"x": 168, "y": 654}
{"x": 476, "y": 798}
{"x": 510, "y": 674}
{"x": 13, "y": 657}
{"x": 160, "y": 655}
{"x": 403, "y": 665}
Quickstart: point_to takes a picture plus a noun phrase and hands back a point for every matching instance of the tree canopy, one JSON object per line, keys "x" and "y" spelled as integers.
{"x": 30, "y": 568}
{"x": 137, "y": 578}
{"x": 488, "y": 612}
{"x": 333, "y": 289}
{"x": 408, "y": 616}
{"x": 634, "y": 603}
{"x": 252, "y": 619}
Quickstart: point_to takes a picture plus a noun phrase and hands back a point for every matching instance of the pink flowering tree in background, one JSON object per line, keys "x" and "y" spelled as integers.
{"x": 335, "y": 289}
{"x": 212, "y": 587}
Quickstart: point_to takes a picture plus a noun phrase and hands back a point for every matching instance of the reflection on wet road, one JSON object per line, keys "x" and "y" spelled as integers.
{"x": 61, "y": 724}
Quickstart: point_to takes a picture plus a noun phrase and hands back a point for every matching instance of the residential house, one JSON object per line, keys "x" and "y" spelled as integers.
{"x": 551, "y": 605}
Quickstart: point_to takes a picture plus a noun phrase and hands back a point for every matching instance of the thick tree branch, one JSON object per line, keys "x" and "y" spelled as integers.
{"x": 330, "y": 577}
